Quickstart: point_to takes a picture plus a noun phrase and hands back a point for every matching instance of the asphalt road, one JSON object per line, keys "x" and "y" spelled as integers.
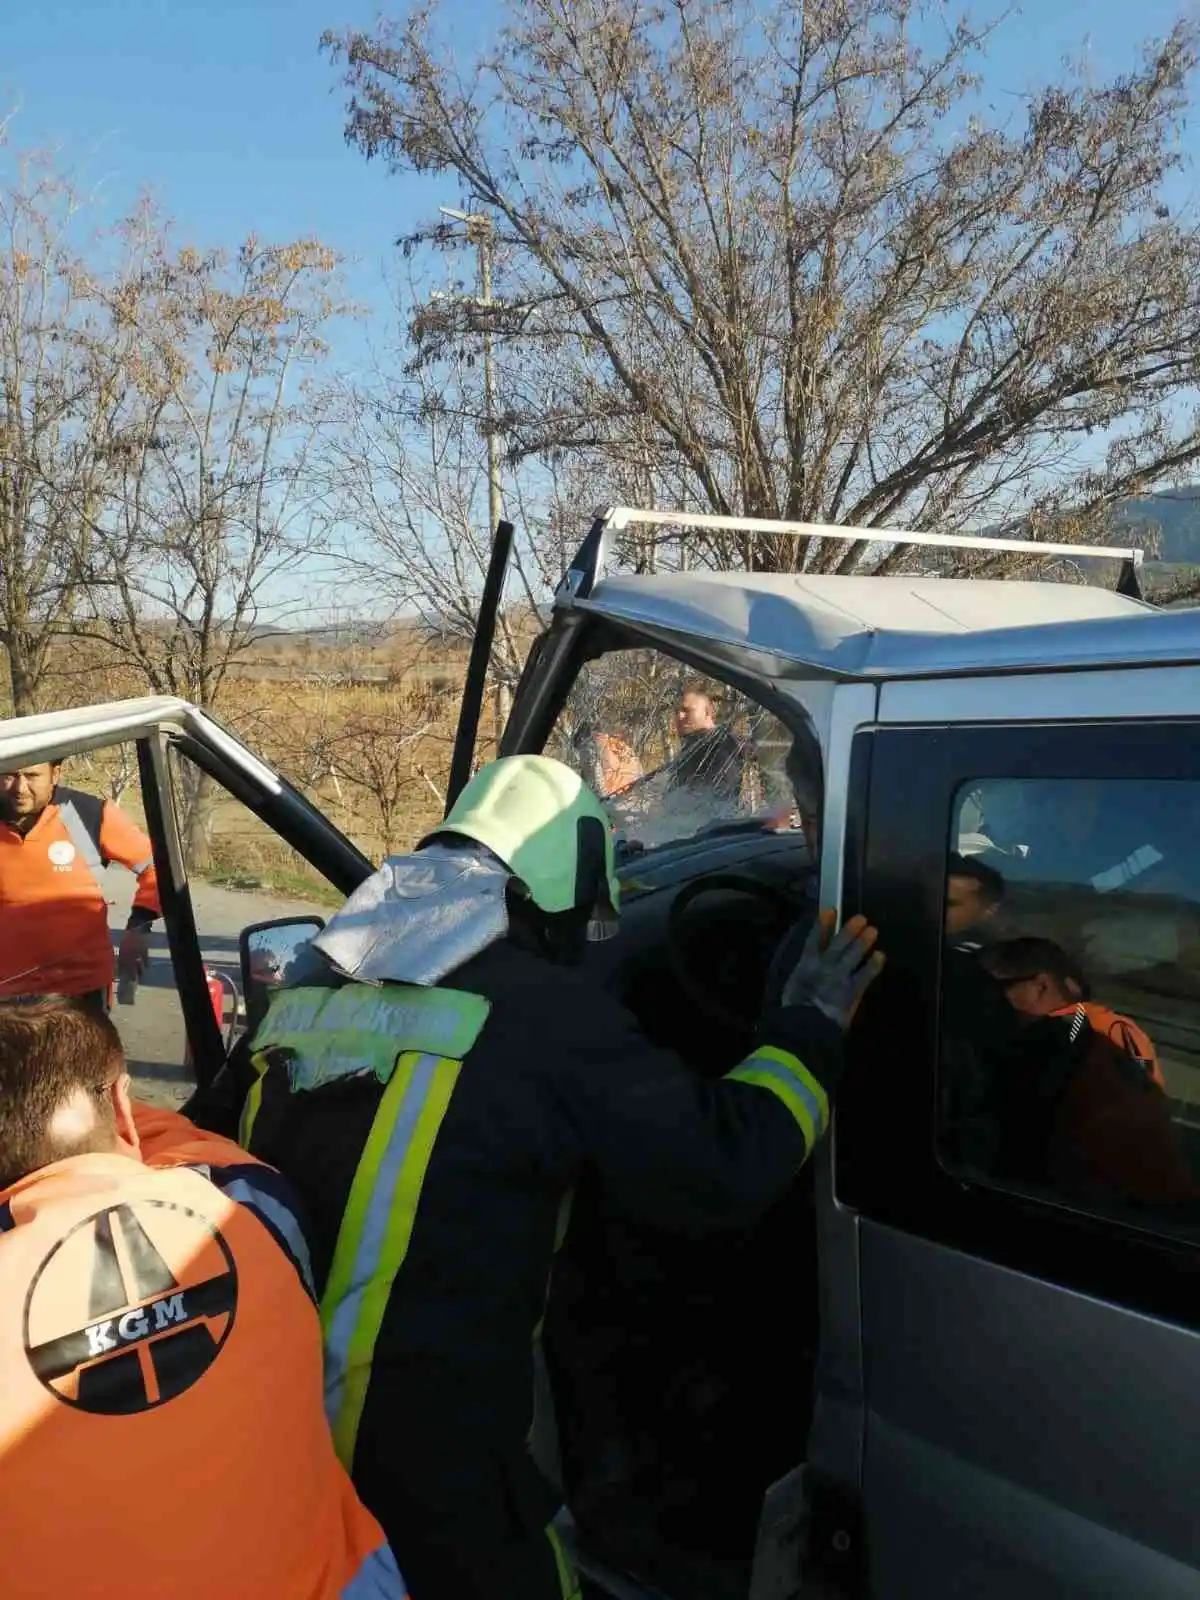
{"x": 152, "y": 1028}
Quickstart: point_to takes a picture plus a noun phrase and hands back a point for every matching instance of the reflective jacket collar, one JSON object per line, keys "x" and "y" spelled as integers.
{"x": 418, "y": 918}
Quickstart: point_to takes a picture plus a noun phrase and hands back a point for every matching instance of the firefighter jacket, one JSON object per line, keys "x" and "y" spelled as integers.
{"x": 54, "y": 936}
{"x": 161, "y": 1423}
{"x": 436, "y": 1135}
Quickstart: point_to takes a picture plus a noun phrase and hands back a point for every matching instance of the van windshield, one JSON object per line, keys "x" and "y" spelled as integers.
{"x": 673, "y": 754}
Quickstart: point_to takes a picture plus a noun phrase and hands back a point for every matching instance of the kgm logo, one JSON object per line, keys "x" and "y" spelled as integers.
{"x": 131, "y": 1308}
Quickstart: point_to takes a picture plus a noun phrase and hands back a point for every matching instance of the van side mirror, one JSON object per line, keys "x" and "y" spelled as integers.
{"x": 269, "y": 951}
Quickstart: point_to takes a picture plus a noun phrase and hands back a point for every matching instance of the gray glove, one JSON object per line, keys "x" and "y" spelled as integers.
{"x": 834, "y": 973}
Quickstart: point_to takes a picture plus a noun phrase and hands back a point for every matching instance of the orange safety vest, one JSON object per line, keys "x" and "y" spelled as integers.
{"x": 161, "y": 1414}
{"x": 618, "y": 764}
{"x": 54, "y": 936}
{"x": 1122, "y": 1031}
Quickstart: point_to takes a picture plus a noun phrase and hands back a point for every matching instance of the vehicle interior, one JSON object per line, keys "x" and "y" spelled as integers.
{"x": 1130, "y": 932}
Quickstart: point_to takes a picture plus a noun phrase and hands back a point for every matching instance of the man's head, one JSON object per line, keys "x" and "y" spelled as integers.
{"x": 265, "y": 966}
{"x": 973, "y": 894}
{"x": 695, "y": 712}
{"x": 25, "y": 792}
{"x": 1037, "y": 976}
{"x": 64, "y": 1090}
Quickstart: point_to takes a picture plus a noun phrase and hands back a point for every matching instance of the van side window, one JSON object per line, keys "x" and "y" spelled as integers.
{"x": 1070, "y": 1000}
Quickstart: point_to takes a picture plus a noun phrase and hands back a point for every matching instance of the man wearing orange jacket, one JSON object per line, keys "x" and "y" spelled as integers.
{"x": 54, "y": 842}
{"x": 161, "y": 1414}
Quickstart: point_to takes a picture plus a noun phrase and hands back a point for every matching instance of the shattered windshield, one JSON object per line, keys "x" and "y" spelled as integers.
{"x": 671, "y": 753}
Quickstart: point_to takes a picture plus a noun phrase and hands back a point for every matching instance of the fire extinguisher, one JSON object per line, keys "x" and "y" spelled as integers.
{"x": 218, "y": 985}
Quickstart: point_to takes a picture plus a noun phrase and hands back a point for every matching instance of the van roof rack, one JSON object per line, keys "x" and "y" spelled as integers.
{"x": 588, "y": 565}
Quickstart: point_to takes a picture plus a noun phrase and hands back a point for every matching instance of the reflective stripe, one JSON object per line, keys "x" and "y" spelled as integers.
{"x": 560, "y": 1233}
{"x": 85, "y": 845}
{"x": 377, "y": 1579}
{"x": 375, "y": 1232}
{"x": 142, "y": 866}
{"x": 252, "y": 1185}
{"x": 280, "y": 1222}
{"x": 564, "y": 1219}
{"x": 568, "y": 1578}
{"x": 253, "y": 1103}
{"x": 786, "y": 1076}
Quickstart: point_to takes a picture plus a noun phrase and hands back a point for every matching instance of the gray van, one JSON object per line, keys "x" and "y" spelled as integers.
{"x": 959, "y": 1360}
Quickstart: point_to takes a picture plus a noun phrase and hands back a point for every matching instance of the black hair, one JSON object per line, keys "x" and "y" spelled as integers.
{"x": 1029, "y": 957}
{"x": 51, "y": 1048}
{"x": 991, "y": 885}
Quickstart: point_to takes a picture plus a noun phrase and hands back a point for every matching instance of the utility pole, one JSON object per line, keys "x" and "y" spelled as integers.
{"x": 481, "y": 233}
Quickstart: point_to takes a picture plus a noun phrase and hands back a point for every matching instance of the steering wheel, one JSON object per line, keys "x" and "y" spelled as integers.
{"x": 696, "y": 989}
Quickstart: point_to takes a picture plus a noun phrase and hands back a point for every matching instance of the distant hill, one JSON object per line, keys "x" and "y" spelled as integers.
{"x": 1172, "y": 517}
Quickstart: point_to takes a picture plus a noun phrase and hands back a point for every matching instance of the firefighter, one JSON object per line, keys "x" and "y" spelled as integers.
{"x": 161, "y": 1423}
{"x": 436, "y": 1085}
{"x": 54, "y": 841}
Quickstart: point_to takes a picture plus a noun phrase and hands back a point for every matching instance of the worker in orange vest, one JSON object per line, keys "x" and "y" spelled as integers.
{"x": 54, "y": 843}
{"x": 610, "y": 765}
{"x": 161, "y": 1411}
{"x": 1040, "y": 979}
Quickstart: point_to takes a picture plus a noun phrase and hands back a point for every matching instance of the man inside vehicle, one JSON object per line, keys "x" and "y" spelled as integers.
{"x": 1074, "y": 1111}
{"x": 974, "y": 892}
{"x": 54, "y": 842}
{"x": 710, "y": 758}
{"x": 438, "y": 1089}
{"x": 160, "y": 1355}
{"x": 1041, "y": 981}
{"x": 610, "y": 764}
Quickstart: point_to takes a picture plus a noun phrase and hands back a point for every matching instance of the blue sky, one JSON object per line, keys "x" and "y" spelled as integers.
{"x": 229, "y": 114}
{"x": 226, "y": 110}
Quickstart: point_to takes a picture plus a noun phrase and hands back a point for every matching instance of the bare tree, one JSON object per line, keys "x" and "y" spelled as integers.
{"x": 375, "y": 753}
{"x": 405, "y": 493}
{"x": 208, "y": 517}
{"x": 62, "y": 401}
{"x": 787, "y": 264}
{"x": 211, "y": 513}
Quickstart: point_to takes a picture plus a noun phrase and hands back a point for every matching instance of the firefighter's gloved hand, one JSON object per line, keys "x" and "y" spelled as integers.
{"x": 835, "y": 970}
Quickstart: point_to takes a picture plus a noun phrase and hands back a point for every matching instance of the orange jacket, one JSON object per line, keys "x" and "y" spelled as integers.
{"x": 1122, "y": 1031}
{"x": 1114, "y": 1137}
{"x": 614, "y": 764}
{"x": 54, "y": 936}
{"x": 161, "y": 1412}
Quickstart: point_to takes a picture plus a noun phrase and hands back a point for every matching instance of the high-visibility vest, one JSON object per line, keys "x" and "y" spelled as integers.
{"x": 161, "y": 1424}
{"x": 619, "y": 765}
{"x": 1120, "y": 1030}
{"x": 413, "y": 1041}
{"x": 54, "y": 936}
